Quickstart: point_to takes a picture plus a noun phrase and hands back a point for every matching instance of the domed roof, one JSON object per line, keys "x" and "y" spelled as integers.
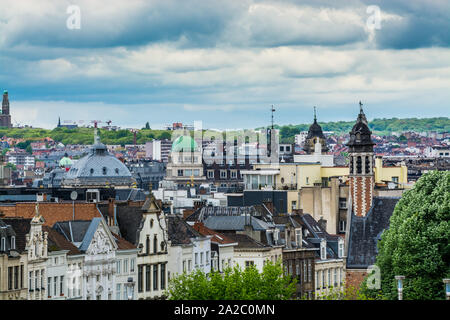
{"x": 99, "y": 167}
{"x": 315, "y": 130}
{"x": 65, "y": 162}
{"x": 184, "y": 144}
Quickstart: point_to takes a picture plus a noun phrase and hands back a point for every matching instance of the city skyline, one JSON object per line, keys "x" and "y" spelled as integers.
{"x": 224, "y": 63}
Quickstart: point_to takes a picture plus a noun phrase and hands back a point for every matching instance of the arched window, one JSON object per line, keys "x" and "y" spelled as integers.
{"x": 155, "y": 244}
{"x": 92, "y": 171}
{"x": 351, "y": 165}
{"x": 367, "y": 164}
{"x": 359, "y": 165}
{"x": 147, "y": 245}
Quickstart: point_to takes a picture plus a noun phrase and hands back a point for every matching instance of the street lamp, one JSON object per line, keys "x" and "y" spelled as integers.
{"x": 130, "y": 288}
{"x": 400, "y": 286}
{"x": 447, "y": 287}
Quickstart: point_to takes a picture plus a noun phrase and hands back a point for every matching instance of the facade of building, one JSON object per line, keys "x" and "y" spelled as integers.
{"x": 13, "y": 264}
{"x": 185, "y": 167}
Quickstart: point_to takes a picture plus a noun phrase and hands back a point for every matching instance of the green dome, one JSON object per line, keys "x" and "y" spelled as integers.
{"x": 65, "y": 162}
{"x": 184, "y": 144}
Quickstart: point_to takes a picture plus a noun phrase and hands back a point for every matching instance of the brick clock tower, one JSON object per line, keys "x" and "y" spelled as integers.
{"x": 5, "y": 117}
{"x": 361, "y": 162}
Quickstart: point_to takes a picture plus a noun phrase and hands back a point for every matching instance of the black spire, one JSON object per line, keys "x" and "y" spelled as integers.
{"x": 315, "y": 131}
{"x": 361, "y": 136}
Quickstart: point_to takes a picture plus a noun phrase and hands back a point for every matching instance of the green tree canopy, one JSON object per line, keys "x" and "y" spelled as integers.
{"x": 416, "y": 245}
{"x": 233, "y": 284}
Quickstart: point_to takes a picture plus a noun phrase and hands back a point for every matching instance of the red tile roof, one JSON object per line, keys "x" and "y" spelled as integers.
{"x": 217, "y": 237}
{"x": 123, "y": 244}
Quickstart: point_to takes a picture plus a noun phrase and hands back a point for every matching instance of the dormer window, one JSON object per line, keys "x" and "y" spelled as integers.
{"x": 104, "y": 170}
{"x": 13, "y": 243}
{"x": 298, "y": 237}
{"x": 117, "y": 170}
{"x": 92, "y": 171}
{"x": 340, "y": 248}
{"x": 323, "y": 249}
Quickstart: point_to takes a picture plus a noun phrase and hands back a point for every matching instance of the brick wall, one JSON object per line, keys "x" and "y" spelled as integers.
{"x": 354, "y": 277}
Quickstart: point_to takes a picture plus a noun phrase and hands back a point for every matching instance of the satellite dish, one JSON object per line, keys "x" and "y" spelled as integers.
{"x": 73, "y": 195}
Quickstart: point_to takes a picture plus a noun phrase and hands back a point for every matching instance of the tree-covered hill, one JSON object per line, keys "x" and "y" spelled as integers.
{"x": 85, "y": 135}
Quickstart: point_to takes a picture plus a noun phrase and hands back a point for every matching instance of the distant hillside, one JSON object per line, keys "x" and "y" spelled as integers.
{"x": 378, "y": 126}
{"x": 122, "y": 137}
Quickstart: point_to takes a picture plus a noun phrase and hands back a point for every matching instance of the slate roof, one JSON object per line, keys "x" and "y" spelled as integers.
{"x": 122, "y": 244}
{"x": 246, "y": 242}
{"x": 73, "y": 231}
{"x": 21, "y": 227}
{"x": 236, "y": 223}
{"x": 366, "y": 231}
{"x": 129, "y": 220}
{"x": 179, "y": 231}
{"x": 6, "y": 231}
{"x": 57, "y": 242}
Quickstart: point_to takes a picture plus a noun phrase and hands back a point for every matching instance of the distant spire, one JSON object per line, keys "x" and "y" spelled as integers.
{"x": 315, "y": 116}
{"x": 59, "y": 122}
{"x": 362, "y": 117}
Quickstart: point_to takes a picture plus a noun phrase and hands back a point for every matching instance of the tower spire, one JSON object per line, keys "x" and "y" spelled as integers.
{"x": 315, "y": 116}
{"x": 272, "y": 109}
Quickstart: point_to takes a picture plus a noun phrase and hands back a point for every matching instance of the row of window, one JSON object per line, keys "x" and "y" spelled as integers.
{"x": 148, "y": 248}
{"x": 188, "y": 172}
{"x": 15, "y": 277}
{"x": 122, "y": 265}
{"x": 3, "y": 243}
{"x": 55, "y": 286}
{"x": 223, "y": 174}
{"x": 36, "y": 280}
{"x": 161, "y": 285}
{"x": 204, "y": 258}
{"x": 299, "y": 265}
{"x": 330, "y": 277}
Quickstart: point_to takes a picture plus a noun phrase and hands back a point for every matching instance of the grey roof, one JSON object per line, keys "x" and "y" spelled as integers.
{"x": 366, "y": 231}
{"x": 6, "y": 232}
{"x": 180, "y": 232}
{"x": 236, "y": 223}
{"x": 131, "y": 194}
{"x": 73, "y": 231}
{"x": 21, "y": 227}
{"x": 129, "y": 219}
{"x": 98, "y": 167}
{"x": 246, "y": 242}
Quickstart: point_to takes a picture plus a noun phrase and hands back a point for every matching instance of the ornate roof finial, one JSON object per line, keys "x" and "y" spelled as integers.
{"x": 36, "y": 210}
{"x": 360, "y": 107}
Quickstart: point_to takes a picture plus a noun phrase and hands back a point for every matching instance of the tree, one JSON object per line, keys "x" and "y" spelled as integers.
{"x": 416, "y": 245}
{"x": 147, "y": 126}
{"x": 233, "y": 284}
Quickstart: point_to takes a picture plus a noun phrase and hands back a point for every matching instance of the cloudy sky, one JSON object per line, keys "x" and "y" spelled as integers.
{"x": 223, "y": 62}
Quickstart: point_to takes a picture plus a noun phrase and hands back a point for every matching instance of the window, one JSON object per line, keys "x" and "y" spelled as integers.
{"x": 147, "y": 277}
{"x": 124, "y": 292}
{"x": 10, "y": 278}
{"x": 223, "y": 174}
{"x": 55, "y": 285}
{"x": 16, "y": 277}
{"x": 297, "y": 268}
{"x": 21, "y": 275}
{"x": 329, "y": 277}
{"x": 118, "y": 266}
{"x": 207, "y": 258}
{"x": 3, "y": 246}
{"x": 340, "y": 276}
{"x": 298, "y": 237}
{"x": 188, "y": 172}
{"x": 335, "y": 277}
{"x": 233, "y": 174}
{"x": 49, "y": 286}
{"x": 180, "y": 172}
{"x": 249, "y": 263}
{"x": 307, "y": 180}
{"x": 201, "y": 258}
{"x": 196, "y": 172}
{"x": 61, "y": 285}
{"x": 341, "y": 248}
{"x": 196, "y": 259}
{"x": 317, "y": 280}
{"x": 132, "y": 264}
{"x": 36, "y": 280}
{"x": 323, "y": 279}
{"x": 140, "y": 267}
{"x": 309, "y": 271}
{"x": 104, "y": 170}
{"x": 367, "y": 164}
{"x": 323, "y": 249}
{"x": 147, "y": 245}
{"x": 342, "y": 225}
{"x": 395, "y": 179}
{"x": 30, "y": 281}
{"x": 13, "y": 243}
{"x": 184, "y": 265}
{"x": 125, "y": 265}
{"x": 163, "y": 276}
{"x": 358, "y": 165}
{"x": 155, "y": 277}
{"x": 210, "y": 174}
{"x": 189, "y": 265}
{"x": 304, "y": 272}
{"x": 155, "y": 243}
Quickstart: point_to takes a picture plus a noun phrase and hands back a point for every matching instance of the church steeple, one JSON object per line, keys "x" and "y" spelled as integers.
{"x": 361, "y": 162}
{"x": 315, "y": 135}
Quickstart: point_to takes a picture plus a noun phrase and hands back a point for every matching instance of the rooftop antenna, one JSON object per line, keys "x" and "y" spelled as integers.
{"x": 272, "y": 110}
